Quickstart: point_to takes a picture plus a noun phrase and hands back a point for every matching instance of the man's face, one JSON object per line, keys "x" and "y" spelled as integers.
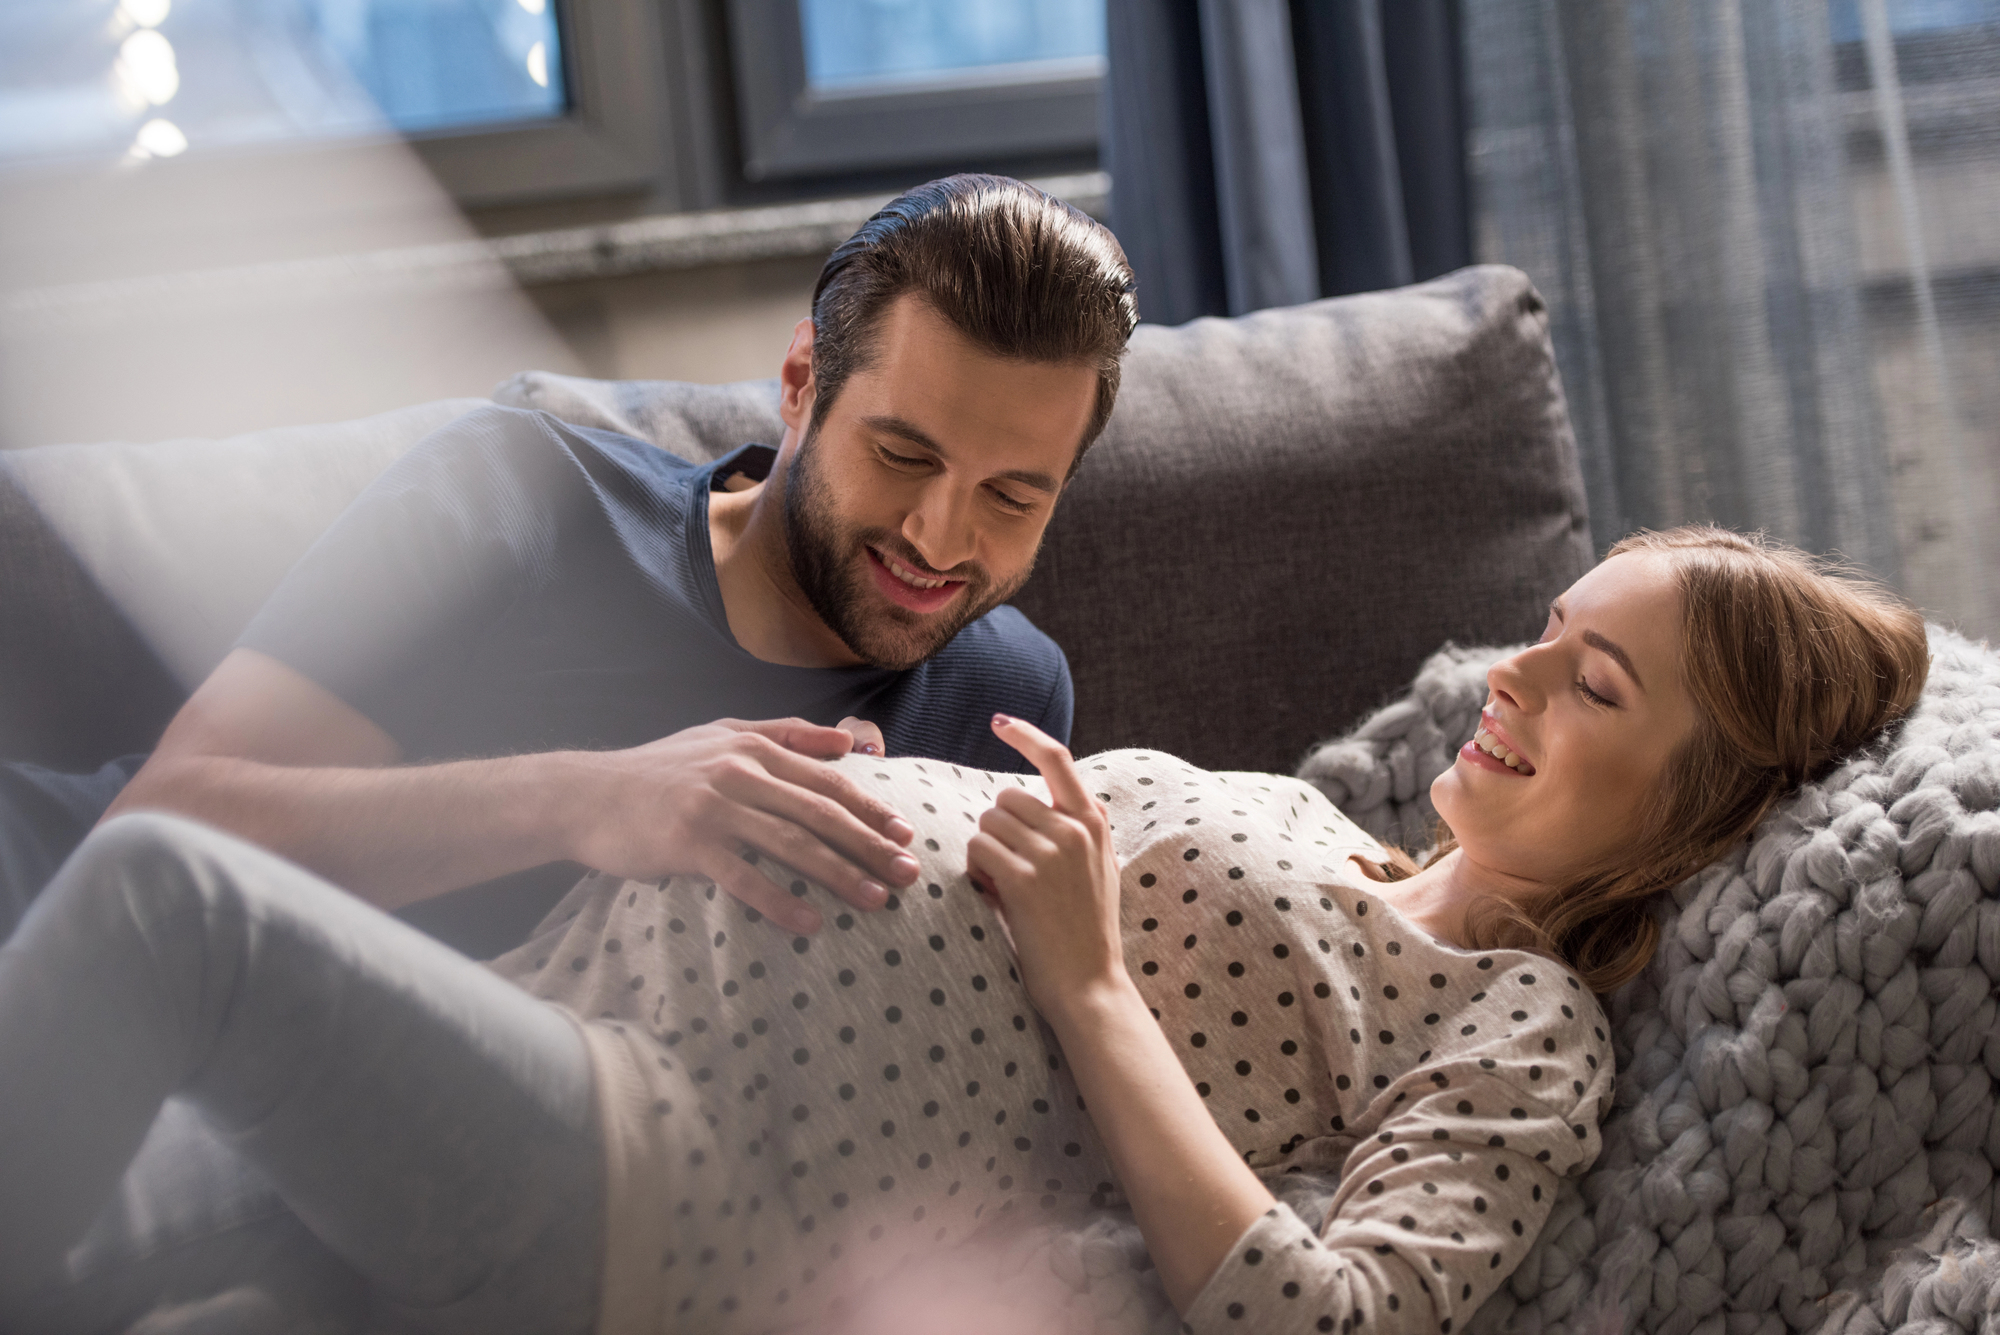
{"x": 918, "y": 502}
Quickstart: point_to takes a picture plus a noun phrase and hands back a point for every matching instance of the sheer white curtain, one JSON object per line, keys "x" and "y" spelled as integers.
{"x": 1769, "y": 233}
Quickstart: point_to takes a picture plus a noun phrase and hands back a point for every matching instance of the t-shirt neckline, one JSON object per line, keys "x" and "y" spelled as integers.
{"x": 756, "y": 461}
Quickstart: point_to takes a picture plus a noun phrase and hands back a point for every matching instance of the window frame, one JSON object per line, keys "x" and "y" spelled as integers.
{"x": 611, "y": 137}
{"x": 788, "y": 129}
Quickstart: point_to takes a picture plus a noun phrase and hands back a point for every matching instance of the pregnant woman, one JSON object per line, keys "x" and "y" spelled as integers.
{"x": 1132, "y": 983}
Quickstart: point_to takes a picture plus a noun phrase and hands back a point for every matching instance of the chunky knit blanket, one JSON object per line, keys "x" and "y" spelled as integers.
{"x": 1806, "y": 1129}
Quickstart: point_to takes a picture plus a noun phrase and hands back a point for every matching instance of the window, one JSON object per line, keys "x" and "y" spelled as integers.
{"x": 844, "y": 85}
{"x": 501, "y": 96}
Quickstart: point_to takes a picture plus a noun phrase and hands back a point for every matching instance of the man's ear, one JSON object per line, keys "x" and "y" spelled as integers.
{"x": 796, "y": 390}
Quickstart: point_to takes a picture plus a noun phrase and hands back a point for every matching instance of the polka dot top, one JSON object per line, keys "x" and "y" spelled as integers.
{"x": 787, "y": 1118}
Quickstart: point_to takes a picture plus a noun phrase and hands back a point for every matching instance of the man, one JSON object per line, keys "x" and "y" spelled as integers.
{"x": 528, "y": 642}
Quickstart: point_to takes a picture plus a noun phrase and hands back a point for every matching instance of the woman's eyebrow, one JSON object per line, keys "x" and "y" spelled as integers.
{"x": 1624, "y": 660}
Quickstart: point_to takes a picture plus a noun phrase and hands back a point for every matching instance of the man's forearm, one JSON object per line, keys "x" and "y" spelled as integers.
{"x": 392, "y": 835}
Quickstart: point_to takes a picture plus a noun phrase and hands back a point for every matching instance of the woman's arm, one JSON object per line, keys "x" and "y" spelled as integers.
{"x": 1057, "y": 882}
{"x": 1436, "y": 1206}
{"x": 1192, "y": 1196}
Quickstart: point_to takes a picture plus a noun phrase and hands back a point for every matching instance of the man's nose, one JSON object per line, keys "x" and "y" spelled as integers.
{"x": 941, "y": 527}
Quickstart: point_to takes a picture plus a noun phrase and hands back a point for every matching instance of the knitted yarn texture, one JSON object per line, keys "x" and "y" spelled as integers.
{"x": 1806, "y": 1128}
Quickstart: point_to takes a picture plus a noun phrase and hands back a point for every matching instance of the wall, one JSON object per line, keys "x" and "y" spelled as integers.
{"x": 713, "y": 324}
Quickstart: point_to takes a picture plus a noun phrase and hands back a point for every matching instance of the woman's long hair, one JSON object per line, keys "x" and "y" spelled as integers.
{"x": 1793, "y": 665}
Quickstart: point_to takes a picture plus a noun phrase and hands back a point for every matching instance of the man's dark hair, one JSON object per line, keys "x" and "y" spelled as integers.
{"x": 1019, "y": 273}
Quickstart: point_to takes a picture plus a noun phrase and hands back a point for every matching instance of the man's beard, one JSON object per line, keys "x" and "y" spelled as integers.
{"x": 827, "y": 563}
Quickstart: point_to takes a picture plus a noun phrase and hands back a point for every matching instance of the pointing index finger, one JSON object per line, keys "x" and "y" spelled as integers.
{"x": 1066, "y": 791}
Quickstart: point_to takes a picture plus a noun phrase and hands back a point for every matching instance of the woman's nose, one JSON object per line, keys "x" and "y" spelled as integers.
{"x": 1514, "y": 681}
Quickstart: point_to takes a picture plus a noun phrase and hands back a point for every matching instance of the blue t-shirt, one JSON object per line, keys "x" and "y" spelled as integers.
{"x": 515, "y": 584}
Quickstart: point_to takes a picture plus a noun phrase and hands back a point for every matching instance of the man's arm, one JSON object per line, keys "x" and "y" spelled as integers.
{"x": 267, "y": 753}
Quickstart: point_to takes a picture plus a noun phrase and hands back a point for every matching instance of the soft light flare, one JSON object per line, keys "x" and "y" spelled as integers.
{"x": 146, "y": 13}
{"x": 538, "y": 63}
{"x": 147, "y": 67}
{"x": 535, "y": 7}
{"x": 159, "y": 139}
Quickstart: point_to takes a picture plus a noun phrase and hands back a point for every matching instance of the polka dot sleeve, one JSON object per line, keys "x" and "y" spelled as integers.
{"x": 1431, "y": 1215}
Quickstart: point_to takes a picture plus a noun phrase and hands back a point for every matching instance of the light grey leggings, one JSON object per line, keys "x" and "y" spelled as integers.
{"x": 362, "y": 1130}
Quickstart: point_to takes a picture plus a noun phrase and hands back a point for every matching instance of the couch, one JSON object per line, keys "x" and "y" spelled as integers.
{"x": 1287, "y": 513}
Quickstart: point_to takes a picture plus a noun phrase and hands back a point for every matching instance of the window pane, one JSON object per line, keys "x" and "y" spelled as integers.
{"x": 851, "y": 43}
{"x": 101, "y": 78}
{"x": 1913, "y": 16}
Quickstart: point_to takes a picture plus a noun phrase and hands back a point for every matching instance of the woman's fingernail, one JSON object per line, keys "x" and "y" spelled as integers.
{"x": 870, "y": 749}
{"x": 805, "y": 922}
{"x": 906, "y": 868}
{"x": 1001, "y": 720}
{"x": 900, "y": 830}
{"x": 873, "y": 893}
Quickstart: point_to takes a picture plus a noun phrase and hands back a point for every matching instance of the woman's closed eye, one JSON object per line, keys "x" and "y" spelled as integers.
{"x": 1592, "y": 697}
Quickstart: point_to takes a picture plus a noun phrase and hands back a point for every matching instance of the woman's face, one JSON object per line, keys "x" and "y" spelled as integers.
{"x": 1590, "y": 715}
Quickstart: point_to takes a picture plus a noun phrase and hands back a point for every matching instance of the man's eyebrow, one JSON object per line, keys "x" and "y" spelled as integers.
{"x": 904, "y": 429}
{"x": 1596, "y": 641}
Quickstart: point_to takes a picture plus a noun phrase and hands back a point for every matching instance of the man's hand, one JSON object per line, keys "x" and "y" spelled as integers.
{"x": 693, "y": 803}
{"x": 266, "y": 753}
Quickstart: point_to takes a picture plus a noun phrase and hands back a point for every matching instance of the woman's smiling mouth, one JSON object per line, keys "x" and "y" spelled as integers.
{"x": 1489, "y": 749}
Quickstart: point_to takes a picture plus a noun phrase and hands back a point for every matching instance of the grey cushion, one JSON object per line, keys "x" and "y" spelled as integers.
{"x": 1287, "y": 512}
{"x": 1808, "y": 1112}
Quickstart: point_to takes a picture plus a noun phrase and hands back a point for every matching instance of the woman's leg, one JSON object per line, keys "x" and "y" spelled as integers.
{"x": 430, "y": 1123}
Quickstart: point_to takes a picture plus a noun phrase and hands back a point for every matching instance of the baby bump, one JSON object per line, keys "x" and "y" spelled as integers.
{"x": 885, "y": 1074}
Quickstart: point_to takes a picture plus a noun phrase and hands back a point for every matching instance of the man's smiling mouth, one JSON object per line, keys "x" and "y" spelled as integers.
{"x": 912, "y": 590}
{"x": 909, "y": 576}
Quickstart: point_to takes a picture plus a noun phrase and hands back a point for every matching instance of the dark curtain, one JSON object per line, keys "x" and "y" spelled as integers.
{"x": 1268, "y": 152}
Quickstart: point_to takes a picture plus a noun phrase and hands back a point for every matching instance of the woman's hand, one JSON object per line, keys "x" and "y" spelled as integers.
{"x": 1052, "y": 869}
{"x": 1053, "y": 872}
{"x": 867, "y": 737}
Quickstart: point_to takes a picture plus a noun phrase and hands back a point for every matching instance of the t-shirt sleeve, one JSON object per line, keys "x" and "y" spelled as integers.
{"x": 429, "y": 553}
{"x": 1001, "y": 663}
{"x": 1060, "y": 712}
{"x": 1430, "y": 1217}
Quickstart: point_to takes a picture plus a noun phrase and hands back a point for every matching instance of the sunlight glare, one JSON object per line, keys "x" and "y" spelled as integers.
{"x": 538, "y": 63}
{"x": 147, "y": 69}
{"x": 146, "y": 13}
{"x": 535, "y": 7}
{"x": 159, "y": 139}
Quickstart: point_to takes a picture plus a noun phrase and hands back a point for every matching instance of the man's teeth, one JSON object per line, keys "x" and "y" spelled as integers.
{"x": 1492, "y": 746}
{"x": 910, "y": 577}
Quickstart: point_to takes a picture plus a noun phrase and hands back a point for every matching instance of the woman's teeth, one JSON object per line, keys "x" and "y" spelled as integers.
{"x": 1492, "y": 746}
